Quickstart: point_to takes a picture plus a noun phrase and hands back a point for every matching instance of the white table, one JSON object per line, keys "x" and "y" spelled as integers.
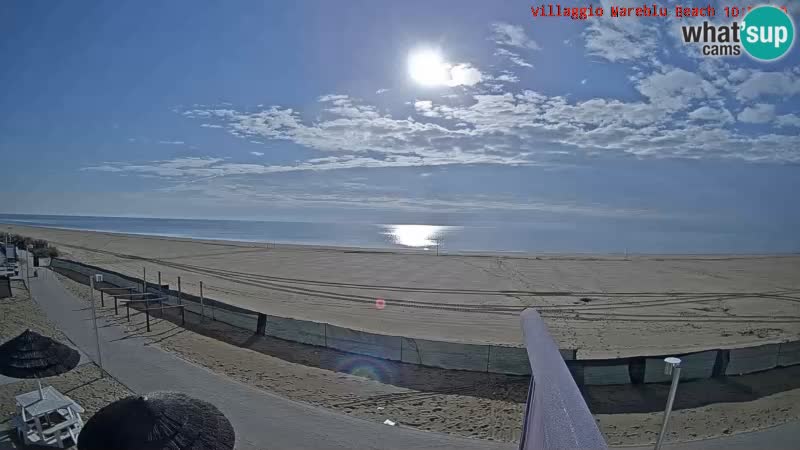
{"x": 35, "y": 408}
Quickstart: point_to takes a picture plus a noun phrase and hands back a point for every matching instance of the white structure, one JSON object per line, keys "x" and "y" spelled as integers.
{"x": 48, "y": 418}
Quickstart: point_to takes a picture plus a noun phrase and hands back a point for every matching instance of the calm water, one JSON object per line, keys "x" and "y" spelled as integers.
{"x": 595, "y": 237}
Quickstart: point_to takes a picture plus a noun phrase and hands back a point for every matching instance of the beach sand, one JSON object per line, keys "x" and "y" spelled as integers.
{"x": 471, "y": 404}
{"x": 601, "y": 306}
{"x": 83, "y": 384}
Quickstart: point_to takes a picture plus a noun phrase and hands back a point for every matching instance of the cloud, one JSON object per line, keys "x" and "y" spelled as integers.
{"x": 216, "y": 167}
{"x": 707, "y": 113}
{"x": 245, "y": 191}
{"x": 171, "y": 142}
{"x": 619, "y": 40}
{"x": 257, "y": 153}
{"x": 506, "y": 77}
{"x": 680, "y": 116}
{"x": 758, "y": 113}
{"x": 788, "y": 120}
{"x": 513, "y": 57}
{"x": 583, "y": 81}
{"x": 676, "y": 88}
{"x": 512, "y": 35}
{"x": 759, "y": 84}
{"x": 178, "y": 167}
{"x": 382, "y": 91}
{"x": 464, "y": 75}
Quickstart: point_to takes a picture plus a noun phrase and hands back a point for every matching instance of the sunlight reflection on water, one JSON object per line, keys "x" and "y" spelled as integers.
{"x": 416, "y": 235}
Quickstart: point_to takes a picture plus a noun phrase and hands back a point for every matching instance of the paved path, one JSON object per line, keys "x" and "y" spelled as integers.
{"x": 261, "y": 420}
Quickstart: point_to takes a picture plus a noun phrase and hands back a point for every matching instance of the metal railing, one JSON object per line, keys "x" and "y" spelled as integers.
{"x": 556, "y": 416}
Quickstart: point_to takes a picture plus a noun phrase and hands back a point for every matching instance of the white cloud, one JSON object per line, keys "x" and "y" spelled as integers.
{"x": 622, "y": 39}
{"x": 758, "y": 84}
{"x": 758, "y": 113}
{"x": 788, "y": 120}
{"x": 171, "y": 142}
{"x": 464, "y": 75}
{"x": 518, "y": 129}
{"x": 676, "y": 88}
{"x": 710, "y": 114}
{"x": 513, "y": 57}
{"x": 512, "y": 35}
{"x": 583, "y": 81}
{"x": 179, "y": 167}
{"x": 681, "y": 114}
{"x": 382, "y": 91}
{"x": 257, "y": 153}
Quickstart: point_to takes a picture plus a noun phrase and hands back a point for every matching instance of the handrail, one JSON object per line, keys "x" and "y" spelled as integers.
{"x": 556, "y": 416}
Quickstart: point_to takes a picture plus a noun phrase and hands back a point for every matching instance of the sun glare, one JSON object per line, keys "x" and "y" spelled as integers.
{"x": 427, "y": 68}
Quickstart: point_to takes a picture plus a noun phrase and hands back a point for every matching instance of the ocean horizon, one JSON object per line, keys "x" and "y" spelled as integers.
{"x": 544, "y": 237}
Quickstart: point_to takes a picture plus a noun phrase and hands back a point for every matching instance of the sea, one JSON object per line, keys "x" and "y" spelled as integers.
{"x": 533, "y": 237}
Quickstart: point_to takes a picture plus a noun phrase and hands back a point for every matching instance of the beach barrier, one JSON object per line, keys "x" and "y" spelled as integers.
{"x": 452, "y": 355}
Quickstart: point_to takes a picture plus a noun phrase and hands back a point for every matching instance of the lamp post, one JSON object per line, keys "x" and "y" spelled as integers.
{"x": 28, "y": 251}
{"x": 672, "y": 366}
{"x": 97, "y": 277}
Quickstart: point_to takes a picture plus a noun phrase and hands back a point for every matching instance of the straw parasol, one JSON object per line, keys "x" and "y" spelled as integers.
{"x": 158, "y": 421}
{"x": 31, "y": 355}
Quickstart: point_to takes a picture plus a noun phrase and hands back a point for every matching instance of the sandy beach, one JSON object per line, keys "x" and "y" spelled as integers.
{"x": 601, "y": 306}
{"x": 83, "y": 384}
{"x": 477, "y": 405}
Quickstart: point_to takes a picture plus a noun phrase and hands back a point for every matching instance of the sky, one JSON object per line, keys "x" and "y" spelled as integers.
{"x": 310, "y": 111}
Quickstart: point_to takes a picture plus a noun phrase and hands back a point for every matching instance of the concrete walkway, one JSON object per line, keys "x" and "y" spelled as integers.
{"x": 261, "y": 420}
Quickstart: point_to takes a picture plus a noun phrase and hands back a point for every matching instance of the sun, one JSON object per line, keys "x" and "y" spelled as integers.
{"x": 427, "y": 68}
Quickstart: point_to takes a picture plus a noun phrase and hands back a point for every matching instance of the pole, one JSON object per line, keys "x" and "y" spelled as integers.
{"x": 102, "y": 299}
{"x": 144, "y": 280}
{"x": 673, "y": 366}
{"x": 202, "y": 304}
{"x": 179, "y": 291}
{"x": 28, "y": 267}
{"x": 96, "y": 331}
{"x": 160, "y": 294}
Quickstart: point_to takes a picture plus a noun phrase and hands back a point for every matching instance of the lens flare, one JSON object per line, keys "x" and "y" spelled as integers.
{"x": 365, "y": 367}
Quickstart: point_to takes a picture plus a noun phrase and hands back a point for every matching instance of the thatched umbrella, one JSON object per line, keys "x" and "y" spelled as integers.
{"x": 31, "y": 355}
{"x": 158, "y": 421}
